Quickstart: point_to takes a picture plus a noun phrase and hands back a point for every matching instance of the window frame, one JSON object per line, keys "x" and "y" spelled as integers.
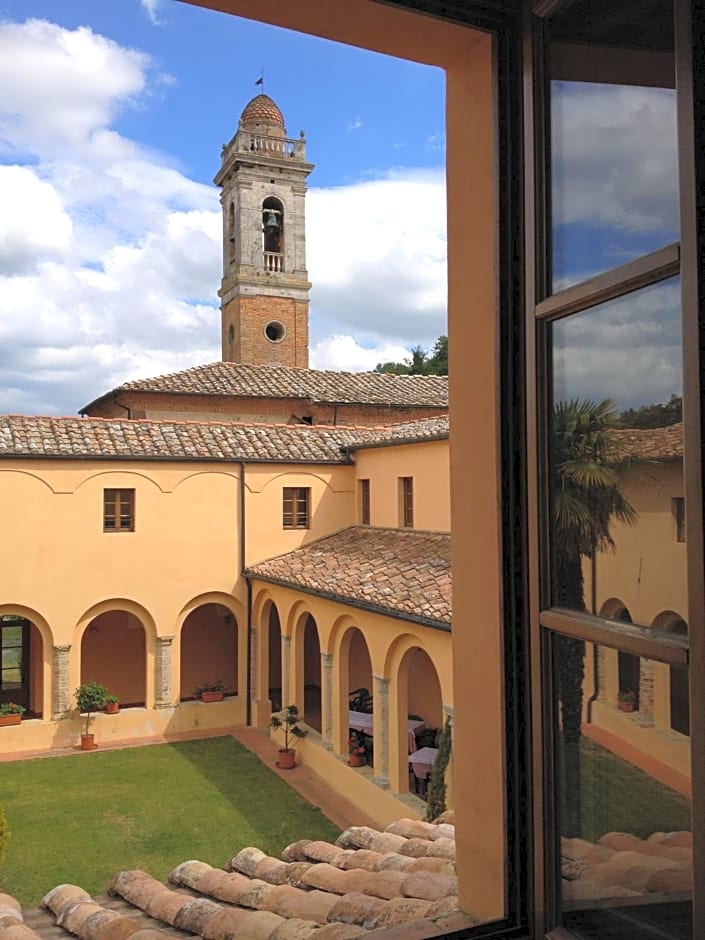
{"x": 117, "y": 500}
{"x": 364, "y": 491}
{"x": 542, "y": 307}
{"x": 297, "y": 496}
{"x": 406, "y": 502}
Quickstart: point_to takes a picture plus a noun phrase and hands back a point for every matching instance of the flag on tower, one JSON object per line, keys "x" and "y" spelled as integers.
{"x": 260, "y": 81}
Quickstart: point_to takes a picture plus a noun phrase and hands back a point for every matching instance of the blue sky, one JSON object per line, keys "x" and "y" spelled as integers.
{"x": 112, "y": 117}
{"x": 110, "y": 254}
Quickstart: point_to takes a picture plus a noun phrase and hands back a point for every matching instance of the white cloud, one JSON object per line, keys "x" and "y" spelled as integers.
{"x": 150, "y": 7}
{"x": 344, "y": 353}
{"x": 353, "y": 125}
{"x": 33, "y": 223}
{"x": 615, "y": 158}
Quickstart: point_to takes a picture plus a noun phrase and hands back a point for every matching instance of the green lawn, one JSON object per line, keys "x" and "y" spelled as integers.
{"x": 80, "y": 819}
{"x": 618, "y": 797}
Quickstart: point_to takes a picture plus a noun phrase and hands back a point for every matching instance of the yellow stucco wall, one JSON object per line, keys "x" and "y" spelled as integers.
{"x": 429, "y": 466}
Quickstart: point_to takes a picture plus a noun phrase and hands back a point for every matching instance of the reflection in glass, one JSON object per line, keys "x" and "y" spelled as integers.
{"x": 614, "y": 176}
{"x": 613, "y": 144}
{"x": 624, "y": 802}
{"x": 616, "y": 458}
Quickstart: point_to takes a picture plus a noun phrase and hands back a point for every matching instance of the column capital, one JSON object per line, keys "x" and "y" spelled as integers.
{"x": 165, "y": 640}
{"x": 62, "y": 648}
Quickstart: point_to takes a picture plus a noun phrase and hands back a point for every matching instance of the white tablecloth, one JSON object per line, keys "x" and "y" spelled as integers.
{"x": 422, "y": 761}
{"x": 364, "y": 722}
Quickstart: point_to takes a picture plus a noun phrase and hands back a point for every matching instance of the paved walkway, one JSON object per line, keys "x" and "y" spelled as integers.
{"x": 305, "y": 781}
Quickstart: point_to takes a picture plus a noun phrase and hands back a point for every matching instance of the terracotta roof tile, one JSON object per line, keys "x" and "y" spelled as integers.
{"x": 28, "y": 436}
{"x": 248, "y": 381}
{"x": 407, "y": 432}
{"x": 264, "y": 109}
{"x": 651, "y": 443}
{"x": 387, "y": 570}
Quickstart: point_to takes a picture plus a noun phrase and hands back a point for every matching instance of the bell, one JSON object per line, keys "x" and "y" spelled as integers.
{"x": 271, "y": 220}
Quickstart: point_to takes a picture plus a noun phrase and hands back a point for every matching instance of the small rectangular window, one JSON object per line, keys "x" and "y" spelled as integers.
{"x": 406, "y": 502}
{"x": 678, "y": 509}
{"x": 365, "y": 502}
{"x": 118, "y": 510}
{"x": 296, "y": 507}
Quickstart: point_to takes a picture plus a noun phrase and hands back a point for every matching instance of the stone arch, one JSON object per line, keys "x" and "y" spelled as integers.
{"x": 116, "y": 641}
{"x": 353, "y": 671}
{"x": 629, "y": 672}
{"x": 306, "y": 669}
{"x": 407, "y": 656}
{"x": 678, "y": 689}
{"x": 35, "y": 653}
{"x": 209, "y": 646}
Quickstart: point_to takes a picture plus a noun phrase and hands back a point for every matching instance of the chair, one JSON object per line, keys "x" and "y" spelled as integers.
{"x": 427, "y": 738}
{"x": 360, "y": 701}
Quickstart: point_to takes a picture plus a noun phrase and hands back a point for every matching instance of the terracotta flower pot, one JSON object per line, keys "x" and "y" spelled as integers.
{"x": 356, "y": 760}
{"x": 212, "y": 696}
{"x": 625, "y": 706}
{"x": 6, "y": 720}
{"x": 87, "y": 742}
{"x": 287, "y": 760}
{"x": 112, "y": 708}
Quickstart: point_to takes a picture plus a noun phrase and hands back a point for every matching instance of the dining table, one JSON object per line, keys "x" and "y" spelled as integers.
{"x": 422, "y": 761}
{"x": 364, "y": 723}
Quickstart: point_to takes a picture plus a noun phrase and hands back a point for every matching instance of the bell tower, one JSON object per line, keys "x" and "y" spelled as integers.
{"x": 264, "y": 291}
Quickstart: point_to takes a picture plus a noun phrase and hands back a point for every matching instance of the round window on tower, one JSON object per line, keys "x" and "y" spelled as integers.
{"x": 275, "y": 331}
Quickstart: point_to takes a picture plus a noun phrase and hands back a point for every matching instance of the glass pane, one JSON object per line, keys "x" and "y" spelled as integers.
{"x": 11, "y": 658}
{"x": 616, "y": 459}
{"x": 613, "y": 138}
{"x": 11, "y": 636}
{"x": 624, "y": 809}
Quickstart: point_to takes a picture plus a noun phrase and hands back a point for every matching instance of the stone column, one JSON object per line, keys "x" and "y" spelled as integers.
{"x": 286, "y": 667}
{"x": 254, "y": 684}
{"x": 327, "y": 700}
{"x": 601, "y": 685}
{"x": 163, "y": 672}
{"x": 61, "y": 696}
{"x": 646, "y": 692}
{"x": 381, "y": 742}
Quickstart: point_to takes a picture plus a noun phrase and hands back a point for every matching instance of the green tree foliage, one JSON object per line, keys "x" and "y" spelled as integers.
{"x": 4, "y": 834}
{"x": 434, "y": 362}
{"x": 587, "y": 472}
{"x": 660, "y": 415}
{"x": 436, "y": 796}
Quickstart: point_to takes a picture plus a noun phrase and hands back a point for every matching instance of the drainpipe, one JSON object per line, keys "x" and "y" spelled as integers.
{"x": 124, "y": 407}
{"x": 595, "y": 658}
{"x": 243, "y": 545}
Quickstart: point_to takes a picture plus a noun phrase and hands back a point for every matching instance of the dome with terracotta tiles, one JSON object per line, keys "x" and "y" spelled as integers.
{"x": 262, "y": 115}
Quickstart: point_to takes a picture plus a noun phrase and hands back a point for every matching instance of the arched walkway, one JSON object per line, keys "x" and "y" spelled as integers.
{"x": 21, "y": 664}
{"x": 274, "y": 656}
{"x": 678, "y": 692}
{"x": 113, "y": 652}
{"x": 628, "y": 666}
{"x": 209, "y": 649}
{"x": 307, "y": 671}
{"x": 418, "y": 698}
{"x": 356, "y": 675}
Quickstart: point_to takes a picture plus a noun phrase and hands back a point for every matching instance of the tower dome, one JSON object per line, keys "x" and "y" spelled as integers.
{"x": 262, "y": 115}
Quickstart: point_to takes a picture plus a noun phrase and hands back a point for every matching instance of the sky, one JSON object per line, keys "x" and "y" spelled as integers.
{"x": 112, "y": 117}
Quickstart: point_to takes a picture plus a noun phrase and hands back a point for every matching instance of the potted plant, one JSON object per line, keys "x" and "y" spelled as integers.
{"x": 288, "y": 719}
{"x": 211, "y": 691}
{"x": 626, "y": 700}
{"x": 11, "y": 714}
{"x": 90, "y": 697}
{"x": 357, "y": 755}
{"x": 112, "y": 704}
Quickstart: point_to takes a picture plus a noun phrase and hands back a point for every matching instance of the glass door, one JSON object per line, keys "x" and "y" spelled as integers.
{"x": 14, "y": 659}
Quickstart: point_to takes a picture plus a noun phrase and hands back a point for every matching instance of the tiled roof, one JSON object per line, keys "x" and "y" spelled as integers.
{"x": 262, "y": 109}
{"x": 652, "y": 443}
{"x": 365, "y": 883}
{"x": 398, "y": 571}
{"x": 369, "y": 883}
{"x": 28, "y": 436}
{"x": 248, "y": 381}
{"x": 408, "y": 432}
